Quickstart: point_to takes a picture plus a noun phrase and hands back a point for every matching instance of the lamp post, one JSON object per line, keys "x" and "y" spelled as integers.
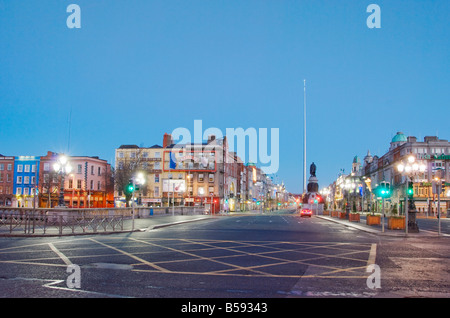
{"x": 350, "y": 186}
{"x": 137, "y": 180}
{"x": 409, "y": 170}
{"x": 62, "y": 167}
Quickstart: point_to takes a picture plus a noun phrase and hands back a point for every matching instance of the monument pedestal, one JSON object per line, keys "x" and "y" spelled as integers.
{"x": 312, "y": 196}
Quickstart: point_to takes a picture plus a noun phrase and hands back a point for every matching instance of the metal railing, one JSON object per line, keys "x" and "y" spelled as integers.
{"x": 65, "y": 221}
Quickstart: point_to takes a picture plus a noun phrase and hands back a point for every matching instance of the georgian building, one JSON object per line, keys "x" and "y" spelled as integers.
{"x": 204, "y": 174}
{"x": 88, "y": 185}
{"x": 26, "y": 179}
{"x": 6, "y": 180}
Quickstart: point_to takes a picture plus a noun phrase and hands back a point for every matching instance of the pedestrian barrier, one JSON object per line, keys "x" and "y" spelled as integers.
{"x": 59, "y": 221}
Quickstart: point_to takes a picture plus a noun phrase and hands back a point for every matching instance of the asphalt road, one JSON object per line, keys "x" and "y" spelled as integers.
{"x": 279, "y": 255}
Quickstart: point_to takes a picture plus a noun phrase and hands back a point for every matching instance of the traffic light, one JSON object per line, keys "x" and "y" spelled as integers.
{"x": 129, "y": 189}
{"x": 443, "y": 186}
{"x": 410, "y": 189}
{"x": 384, "y": 190}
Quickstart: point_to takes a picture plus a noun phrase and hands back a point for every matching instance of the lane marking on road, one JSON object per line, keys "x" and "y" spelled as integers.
{"x": 64, "y": 258}
{"x": 235, "y": 267}
{"x": 132, "y": 256}
{"x": 372, "y": 254}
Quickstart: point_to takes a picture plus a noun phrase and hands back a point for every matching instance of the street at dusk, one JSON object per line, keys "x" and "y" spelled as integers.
{"x": 220, "y": 157}
{"x": 275, "y": 255}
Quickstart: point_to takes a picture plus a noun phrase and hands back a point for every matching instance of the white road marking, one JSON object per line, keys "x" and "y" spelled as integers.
{"x": 61, "y": 255}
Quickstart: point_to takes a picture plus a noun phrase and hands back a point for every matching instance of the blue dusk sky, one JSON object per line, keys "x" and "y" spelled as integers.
{"x": 137, "y": 69}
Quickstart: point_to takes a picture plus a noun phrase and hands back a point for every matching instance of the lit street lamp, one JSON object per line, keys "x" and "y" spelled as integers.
{"x": 410, "y": 169}
{"x": 62, "y": 167}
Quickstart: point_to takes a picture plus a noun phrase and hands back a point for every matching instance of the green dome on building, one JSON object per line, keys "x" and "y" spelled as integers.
{"x": 400, "y": 137}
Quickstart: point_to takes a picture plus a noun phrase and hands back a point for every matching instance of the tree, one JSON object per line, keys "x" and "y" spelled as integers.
{"x": 126, "y": 168}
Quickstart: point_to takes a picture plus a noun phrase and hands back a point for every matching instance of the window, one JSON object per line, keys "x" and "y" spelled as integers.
{"x": 200, "y": 177}
{"x": 19, "y": 191}
{"x": 211, "y": 190}
{"x": 99, "y": 172}
{"x": 157, "y": 165}
{"x": 27, "y": 168}
{"x": 26, "y": 191}
{"x": 157, "y": 177}
{"x": 46, "y": 178}
{"x": 33, "y": 180}
{"x": 157, "y": 154}
{"x": 92, "y": 170}
{"x": 1, "y": 177}
{"x": 78, "y": 184}
{"x": 70, "y": 183}
{"x": 211, "y": 177}
{"x": 9, "y": 166}
{"x": 47, "y": 166}
{"x": 201, "y": 191}
{"x": 99, "y": 185}
{"x": 19, "y": 179}
{"x": 2, "y": 167}
{"x": 132, "y": 155}
{"x": 156, "y": 192}
{"x": 120, "y": 154}
{"x": 33, "y": 168}
{"x": 92, "y": 184}
{"x": 180, "y": 176}
{"x": 26, "y": 180}
{"x": 145, "y": 154}
{"x": 19, "y": 168}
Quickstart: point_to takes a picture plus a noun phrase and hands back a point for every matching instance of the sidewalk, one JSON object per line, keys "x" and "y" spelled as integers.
{"x": 376, "y": 229}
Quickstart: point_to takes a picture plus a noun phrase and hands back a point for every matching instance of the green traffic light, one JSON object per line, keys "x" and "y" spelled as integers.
{"x": 130, "y": 188}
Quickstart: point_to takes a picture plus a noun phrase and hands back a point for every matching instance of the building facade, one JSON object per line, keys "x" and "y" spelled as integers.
{"x": 26, "y": 179}
{"x": 88, "y": 185}
{"x": 6, "y": 180}
{"x": 432, "y": 151}
{"x": 206, "y": 175}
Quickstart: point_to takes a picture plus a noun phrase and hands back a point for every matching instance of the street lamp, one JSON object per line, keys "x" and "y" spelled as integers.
{"x": 62, "y": 167}
{"x": 139, "y": 179}
{"x": 410, "y": 169}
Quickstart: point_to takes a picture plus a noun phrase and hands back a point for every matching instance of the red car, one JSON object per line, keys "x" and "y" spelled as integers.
{"x": 306, "y": 212}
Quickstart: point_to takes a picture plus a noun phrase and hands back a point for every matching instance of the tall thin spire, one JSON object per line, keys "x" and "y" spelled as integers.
{"x": 304, "y": 136}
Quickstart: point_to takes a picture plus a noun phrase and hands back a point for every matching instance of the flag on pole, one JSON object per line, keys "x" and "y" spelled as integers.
{"x": 173, "y": 161}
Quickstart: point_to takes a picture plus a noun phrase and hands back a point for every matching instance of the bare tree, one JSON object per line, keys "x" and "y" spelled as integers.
{"x": 126, "y": 168}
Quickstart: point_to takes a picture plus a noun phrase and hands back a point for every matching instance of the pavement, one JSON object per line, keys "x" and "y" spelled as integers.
{"x": 378, "y": 229}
